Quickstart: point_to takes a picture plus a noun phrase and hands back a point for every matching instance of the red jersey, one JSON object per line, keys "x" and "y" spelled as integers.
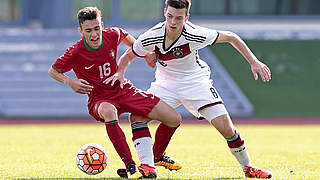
{"x": 94, "y": 65}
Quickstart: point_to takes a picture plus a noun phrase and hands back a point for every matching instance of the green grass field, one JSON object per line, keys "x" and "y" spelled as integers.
{"x": 49, "y": 151}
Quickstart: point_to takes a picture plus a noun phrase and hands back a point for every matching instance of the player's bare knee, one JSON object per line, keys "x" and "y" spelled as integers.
{"x": 224, "y": 125}
{"x": 229, "y": 132}
{"x": 176, "y": 120}
{"x": 135, "y": 118}
{"x": 108, "y": 114}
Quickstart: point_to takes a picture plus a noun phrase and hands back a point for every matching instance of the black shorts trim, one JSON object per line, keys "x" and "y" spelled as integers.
{"x": 209, "y": 105}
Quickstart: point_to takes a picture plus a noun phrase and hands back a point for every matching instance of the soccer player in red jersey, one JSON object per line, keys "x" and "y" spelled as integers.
{"x": 93, "y": 59}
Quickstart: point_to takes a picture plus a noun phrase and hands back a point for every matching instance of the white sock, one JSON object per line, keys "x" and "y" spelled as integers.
{"x": 242, "y": 155}
{"x": 144, "y": 150}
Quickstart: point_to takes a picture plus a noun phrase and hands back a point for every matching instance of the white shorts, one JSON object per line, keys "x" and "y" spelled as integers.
{"x": 200, "y": 98}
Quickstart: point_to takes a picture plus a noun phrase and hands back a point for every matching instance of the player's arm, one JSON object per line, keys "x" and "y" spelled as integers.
{"x": 125, "y": 61}
{"x": 151, "y": 58}
{"x": 123, "y": 64}
{"x": 127, "y": 57}
{"x": 256, "y": 65}
{"x": 129, "y": 40}
{"x": 80, "y": 86}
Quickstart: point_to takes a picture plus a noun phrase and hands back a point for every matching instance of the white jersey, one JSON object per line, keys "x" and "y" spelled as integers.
{"x": 180, "y": 62}
{"x": 181, "y": 77}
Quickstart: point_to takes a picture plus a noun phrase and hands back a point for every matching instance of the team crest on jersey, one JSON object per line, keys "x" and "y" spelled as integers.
{"x": 112, "y": 54}
{"x": 177, "y": 53}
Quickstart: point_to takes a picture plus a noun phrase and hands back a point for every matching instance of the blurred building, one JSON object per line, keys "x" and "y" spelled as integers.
{"x": 61, "y": 13}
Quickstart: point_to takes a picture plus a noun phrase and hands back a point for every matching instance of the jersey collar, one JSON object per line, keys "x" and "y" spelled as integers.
{"x": 165, "y": 34}
{"x": 90, "y": 48}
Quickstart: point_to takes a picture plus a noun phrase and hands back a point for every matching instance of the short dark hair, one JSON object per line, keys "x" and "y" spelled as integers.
{"x": 179, "y": 4}
{"x": 88, "y": 13}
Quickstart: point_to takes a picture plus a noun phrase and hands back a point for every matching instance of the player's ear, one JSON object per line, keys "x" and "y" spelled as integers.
{"x": 79, "y": 29}
{"x": 102, "y": 24}
{"x": 164, "y": 12}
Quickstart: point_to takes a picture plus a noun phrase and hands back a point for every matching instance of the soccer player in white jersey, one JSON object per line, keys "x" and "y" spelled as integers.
{"x": 183, "y": 78}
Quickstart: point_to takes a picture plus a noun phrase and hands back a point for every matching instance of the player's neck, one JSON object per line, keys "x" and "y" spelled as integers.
{"x": 172, "y": 36}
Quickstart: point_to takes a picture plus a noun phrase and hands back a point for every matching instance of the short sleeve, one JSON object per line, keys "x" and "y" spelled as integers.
{"x": 65, "y": 62}
{"x": 122, "y": 34}
{"x": 208, "y": 36}
{"x": 143, "y": 45}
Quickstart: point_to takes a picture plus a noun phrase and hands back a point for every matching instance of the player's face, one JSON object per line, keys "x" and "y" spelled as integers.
{"x": 175, "y": 19}
{"x": 92, "y": 31}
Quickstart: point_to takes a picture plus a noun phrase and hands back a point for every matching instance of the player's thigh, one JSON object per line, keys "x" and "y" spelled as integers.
{"x": 107, "y": 111}
{"x": 169, "y": 97}
{"x": 201, "y": 96}
{"x": 212, "y": 111}
{"x": 165, "y": 114}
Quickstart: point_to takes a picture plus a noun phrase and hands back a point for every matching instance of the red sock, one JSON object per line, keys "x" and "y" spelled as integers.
{"x": 140, "y": 130}
{"x": 119, "y": 142}
{"x": 162, "y": 139}
{"x": 235, "y": 141}
{"x": 235, "y": 144}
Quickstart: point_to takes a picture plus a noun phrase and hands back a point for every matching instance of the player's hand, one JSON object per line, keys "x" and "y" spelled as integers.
{"x": 115, "y": 77}
{"x": 80, "y": 86}
{"x": 151, "y": 59}
{"x": 262, "y": 69}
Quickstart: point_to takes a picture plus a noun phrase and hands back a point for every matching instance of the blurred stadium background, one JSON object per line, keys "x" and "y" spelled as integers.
{"x": 285, "y": 34}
